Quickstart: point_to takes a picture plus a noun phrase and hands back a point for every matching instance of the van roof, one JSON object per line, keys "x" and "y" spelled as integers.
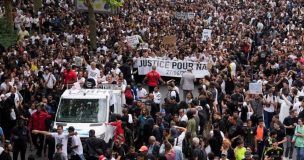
{"x": 86, "y": 93}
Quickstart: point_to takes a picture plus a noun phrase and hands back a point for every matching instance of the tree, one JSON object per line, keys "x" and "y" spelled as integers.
{"x": 37, "y": 5}
{"x": 9, "y": 16}
{"x": 92, "y": 24}
{"x": 114, "y": 4}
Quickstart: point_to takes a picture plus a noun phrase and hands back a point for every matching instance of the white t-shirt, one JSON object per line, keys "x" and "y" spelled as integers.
{"x": 62, "y": 139}
{"x": 77, "y": 142}
{"x": 271, "y": 99}
{"x": 141, "y": 93}
{"x": 157, "y": 97}
{"x": 172, "y": 93}
{"x": 183, "y": 118}
{"x": 179, "y": 140}
{"x": 93, "y": 73}
{"x": 176, "y": 89}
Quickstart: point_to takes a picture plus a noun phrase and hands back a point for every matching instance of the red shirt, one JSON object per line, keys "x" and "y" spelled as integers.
{"x": 119, "y": 131}
{"x": 153, "y": 78}
{"x": 69, "y": 76}
{"x": 37, "y": 121}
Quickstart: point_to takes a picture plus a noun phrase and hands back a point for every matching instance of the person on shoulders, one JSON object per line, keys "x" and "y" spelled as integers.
{"x": 274, "y": 152}
{"x": 59, "y": 154}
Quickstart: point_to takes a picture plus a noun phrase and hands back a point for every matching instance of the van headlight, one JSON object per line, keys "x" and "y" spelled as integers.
{"x": 102, "y": 136}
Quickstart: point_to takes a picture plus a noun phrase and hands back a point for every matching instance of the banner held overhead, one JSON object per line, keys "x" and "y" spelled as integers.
{"x": 169, "y": 68}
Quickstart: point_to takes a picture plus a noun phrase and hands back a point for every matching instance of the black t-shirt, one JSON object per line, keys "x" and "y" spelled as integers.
{"x": 237, "y": 98}
{"x": 131, "y": 156}
{"x": 280, "y": 136}
{"x": 290, "y": 121}
{"x": 5, "y": 156}
{"x": 119, "y": 151}
{"x": 20, "y": 135}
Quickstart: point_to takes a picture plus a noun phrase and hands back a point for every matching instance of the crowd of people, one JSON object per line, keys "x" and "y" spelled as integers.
{"x": 257, "y": 41}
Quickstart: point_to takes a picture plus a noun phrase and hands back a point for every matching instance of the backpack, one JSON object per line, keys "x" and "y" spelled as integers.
{"x": 187, "y": 148}
{"x": 203, "y": 116}
{"x": 177, "y": 96}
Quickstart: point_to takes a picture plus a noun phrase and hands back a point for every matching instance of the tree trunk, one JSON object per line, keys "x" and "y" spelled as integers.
{"x": 92, "y": 25}
{"x": 37, "y": 5}
{"x": 9, "y": 15}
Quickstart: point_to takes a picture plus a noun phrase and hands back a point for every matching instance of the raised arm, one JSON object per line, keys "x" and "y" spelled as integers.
{"x": 41, "y": 132}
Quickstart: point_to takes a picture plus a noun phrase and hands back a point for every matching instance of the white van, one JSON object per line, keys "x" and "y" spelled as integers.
{"x": 87, "y": 109}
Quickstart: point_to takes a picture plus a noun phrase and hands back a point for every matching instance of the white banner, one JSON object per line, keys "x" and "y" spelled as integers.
{"x": 169, "y": 68}
{"x": 185, "y": 15}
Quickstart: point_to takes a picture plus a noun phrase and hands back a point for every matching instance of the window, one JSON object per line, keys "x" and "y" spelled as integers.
{"x": 82, "y": 111}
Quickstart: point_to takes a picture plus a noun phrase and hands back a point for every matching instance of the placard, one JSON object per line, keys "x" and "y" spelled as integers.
{"x": 206, "y": 34}
{"x": 185, "y": 15}
{"x": 133, "y": 40}
{"x": 255, "y": 88}
{"x": 169, "y": 40}
{"x": 78, "y": 61}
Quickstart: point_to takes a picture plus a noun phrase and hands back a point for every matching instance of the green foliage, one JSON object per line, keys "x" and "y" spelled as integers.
{"x": 115, "y": 3}
{"x": 7, "y": 39}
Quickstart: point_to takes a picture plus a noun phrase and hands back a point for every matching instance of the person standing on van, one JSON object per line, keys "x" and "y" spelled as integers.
{"x": 152, "y": 78}
{"x": 70, "y": 76}
{"x": 187, "y": 82}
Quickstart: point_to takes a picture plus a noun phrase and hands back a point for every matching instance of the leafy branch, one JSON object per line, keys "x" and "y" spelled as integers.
{"x": 114, "y": 3}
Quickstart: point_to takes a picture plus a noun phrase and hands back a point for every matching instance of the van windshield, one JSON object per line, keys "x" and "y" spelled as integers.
{"x": 82, "y": 110}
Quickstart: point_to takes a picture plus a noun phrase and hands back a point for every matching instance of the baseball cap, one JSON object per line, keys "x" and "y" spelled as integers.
{"x": 143, "y": 149}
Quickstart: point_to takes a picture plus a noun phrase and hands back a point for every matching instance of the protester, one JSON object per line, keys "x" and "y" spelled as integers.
{"x": 2, "y": 137}
{"x": 187, "y": 82}
{"x": 76, "y": 145}
{"x": 5, "y": 155}
{"x": 94, "y": 147}
{"x": 60, "y": 138}
{"x": 274, "y": 152}
{"x": 247, "y": 57}
{"x": 59, "y": 154}
{"x": 290, "y": 124}
{"x": 20, "y": 138}
{"x": 152, "y": 79}
{"x": 38, "y": 122}
{"x": 298, "y": 139}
